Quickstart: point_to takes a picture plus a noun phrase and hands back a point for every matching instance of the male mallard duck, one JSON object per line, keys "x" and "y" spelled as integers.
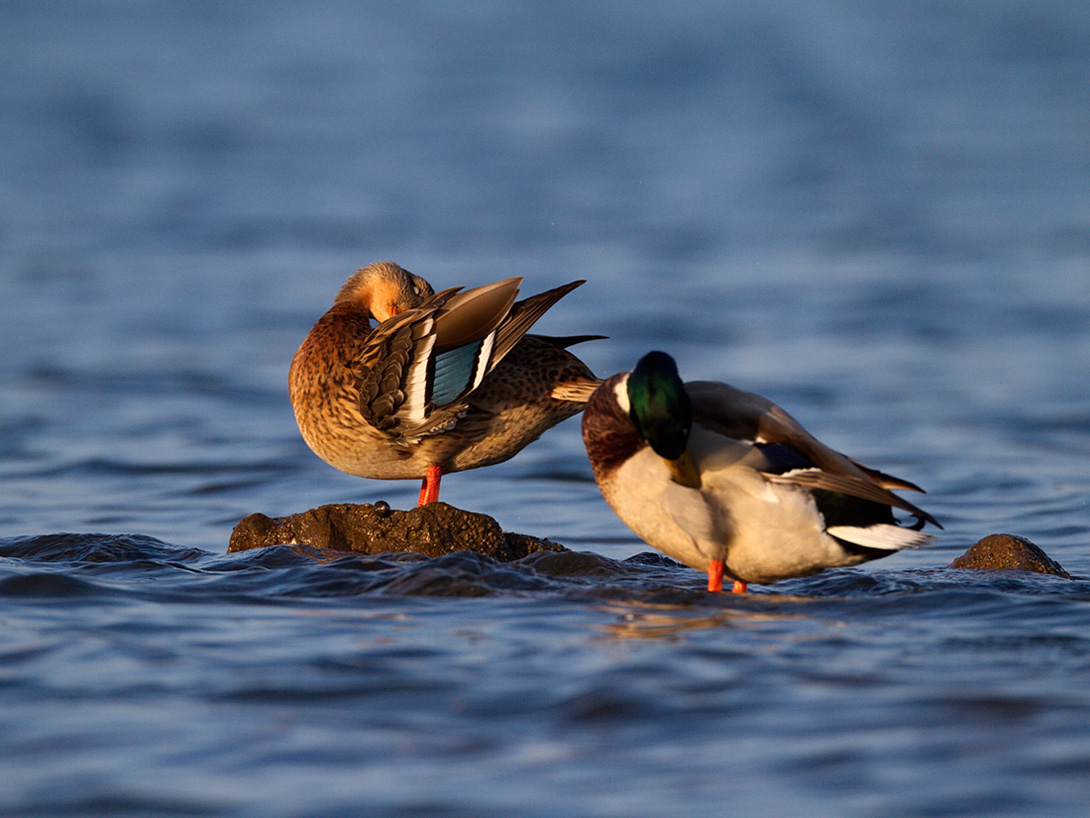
{"x": 727, "y": 482}
{"x": 444, "y": 382}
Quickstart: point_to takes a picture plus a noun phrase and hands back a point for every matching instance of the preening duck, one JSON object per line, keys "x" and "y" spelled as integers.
{"x": 397, "y": 381}
{"x": 727, "y": 482}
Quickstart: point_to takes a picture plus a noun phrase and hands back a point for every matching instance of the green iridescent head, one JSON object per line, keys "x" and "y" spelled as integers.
{"x": 659, "y": 405}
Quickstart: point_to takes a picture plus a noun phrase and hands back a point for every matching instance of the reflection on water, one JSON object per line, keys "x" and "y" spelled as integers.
{"x": 657, "y": 621}
{"x": 518, "y": 677}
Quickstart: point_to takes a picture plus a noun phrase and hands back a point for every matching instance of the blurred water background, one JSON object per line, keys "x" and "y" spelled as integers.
{"x": 875, "y": 213}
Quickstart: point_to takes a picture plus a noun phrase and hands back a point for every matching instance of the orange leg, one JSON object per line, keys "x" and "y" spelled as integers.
{"x": 429, "y": 489}
{"x": 715, "y": 575}
{"x": 715, "y": 578}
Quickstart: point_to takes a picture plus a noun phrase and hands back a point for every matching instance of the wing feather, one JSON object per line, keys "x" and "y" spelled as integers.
{"x": 749, "y": 417}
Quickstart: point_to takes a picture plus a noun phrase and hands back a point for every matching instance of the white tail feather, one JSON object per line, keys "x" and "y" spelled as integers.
{"x": 884, "y": 536}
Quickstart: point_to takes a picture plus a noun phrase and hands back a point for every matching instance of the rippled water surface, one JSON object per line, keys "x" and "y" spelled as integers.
{"x": 876, "y": 214}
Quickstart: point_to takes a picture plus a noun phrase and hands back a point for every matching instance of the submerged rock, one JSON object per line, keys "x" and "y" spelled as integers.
{"x": 1006, "y": 551}
{"x": 431, "y": 530}
{"x": 437, "y": 529}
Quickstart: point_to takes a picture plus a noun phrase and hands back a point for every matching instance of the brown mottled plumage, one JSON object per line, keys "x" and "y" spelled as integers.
{"x": 444, "y": 382}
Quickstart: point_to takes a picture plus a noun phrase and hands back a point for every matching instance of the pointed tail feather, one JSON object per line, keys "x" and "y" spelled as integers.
{"x": 523, "y": 315}
{"x": 565, "y": 341}
{"x": 577, "y": 390}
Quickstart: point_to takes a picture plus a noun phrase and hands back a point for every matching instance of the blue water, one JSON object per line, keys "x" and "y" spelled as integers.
{"x": 875, "y": 213}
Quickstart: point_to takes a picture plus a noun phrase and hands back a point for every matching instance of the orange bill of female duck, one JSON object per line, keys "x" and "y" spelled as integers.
{"x": 397, "y": 381}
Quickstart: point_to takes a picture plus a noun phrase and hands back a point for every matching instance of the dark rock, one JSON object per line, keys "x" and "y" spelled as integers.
{"x": 431, "y": 530}
{"x": 1006, "y": 551}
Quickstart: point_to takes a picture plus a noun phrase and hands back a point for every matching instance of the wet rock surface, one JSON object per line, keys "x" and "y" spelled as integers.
{"x": 1008, "y": 552}
{"x": 431, "y": 530}
{"x": 438, "y": 529}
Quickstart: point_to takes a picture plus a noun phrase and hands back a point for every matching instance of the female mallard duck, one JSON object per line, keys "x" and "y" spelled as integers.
{"x": 727, "y": 482}
{"x": 444, "y": 382}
